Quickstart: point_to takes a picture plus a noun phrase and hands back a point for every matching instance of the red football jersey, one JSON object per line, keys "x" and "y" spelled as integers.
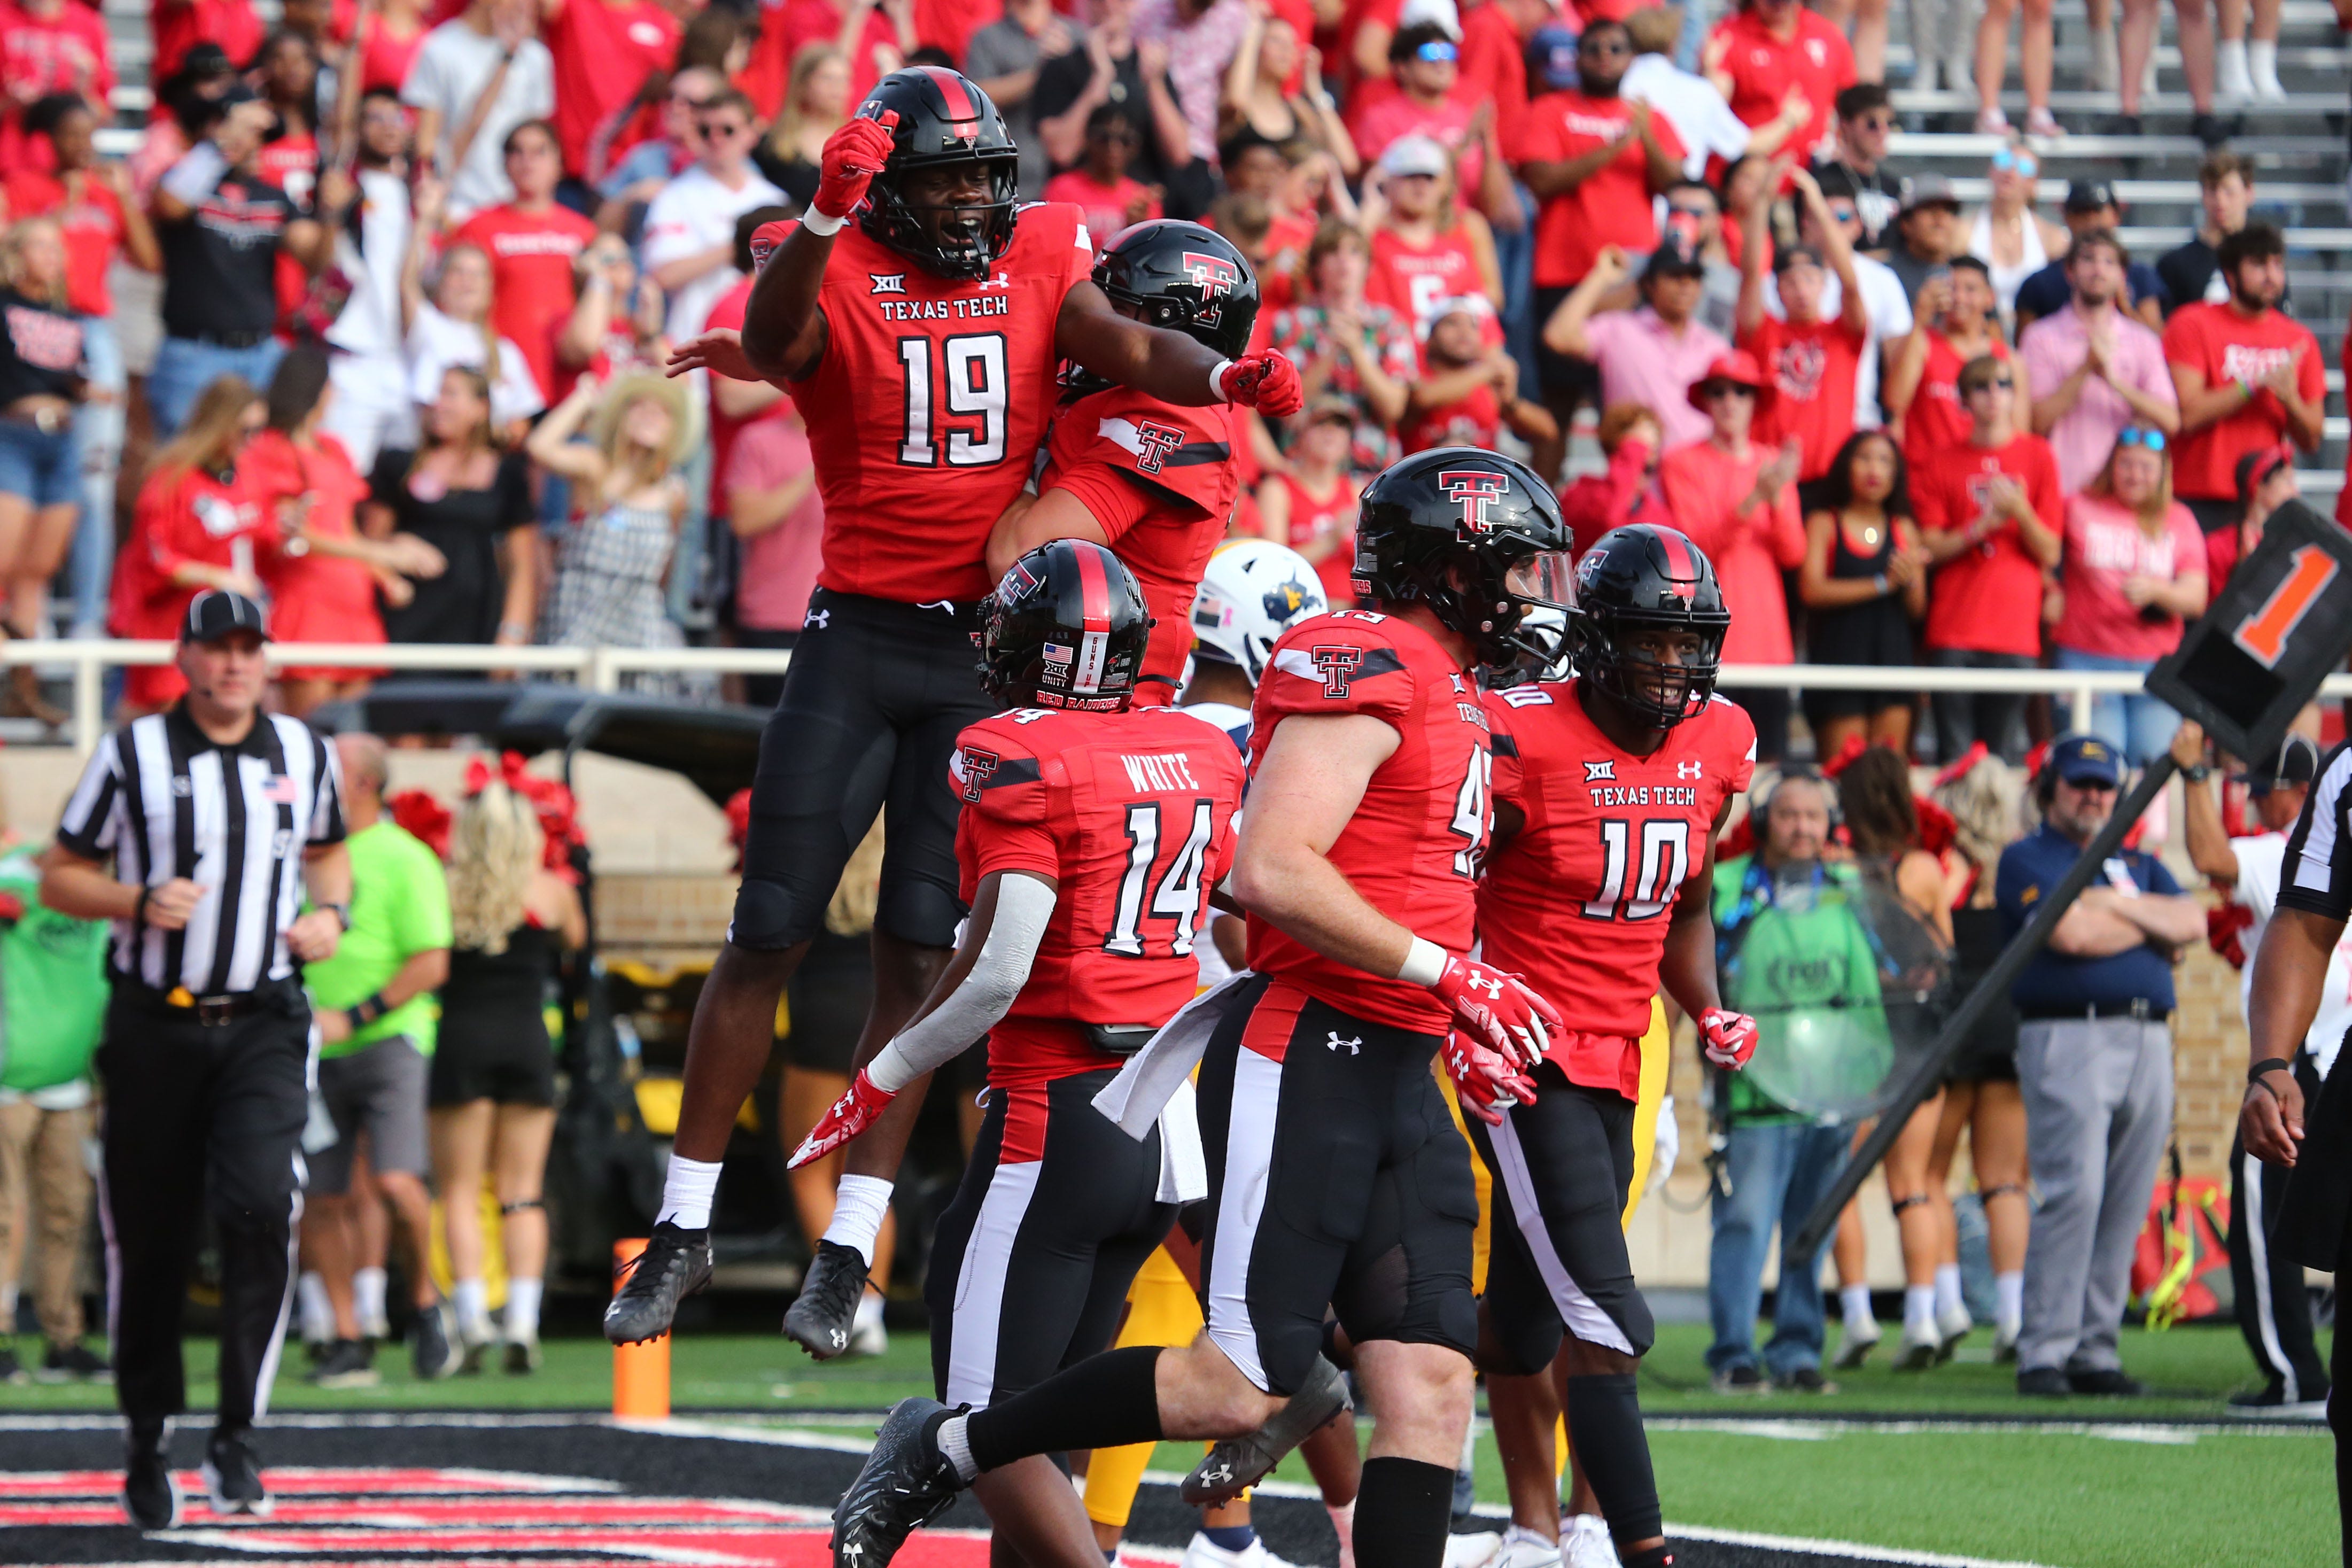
{"x": 1133, "y": 815}
{"x": 931, "y": 401}
{"x": 1580, "y": 901}
{"x": 1161, "y": 480}
{"x": 1413, "y": 846}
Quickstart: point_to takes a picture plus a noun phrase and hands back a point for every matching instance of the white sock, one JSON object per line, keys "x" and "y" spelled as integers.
{"x": 869, "y": 1310}
{"x": 1343, "y": 1524}
{"x": 473, "y": 1303}
{"x": 2009, "y": 1302}
{"x": 2263, "y": 56}
{"x": 2231, "y": 77}
{"x": 1947, "y": 1288}
{"x": 686, "y": 1191}
{"x": 367, "y": 1295}
{"x": 522, "y": 1310}
{"x": 957, "y": 1448}
{"x": 1515, "y": 1533}
{"x": 310, "y": 1295}
{"x": 858, "y": 1205}
{"x": 1856, "y": 1300}
{"x": 1919, "y": 1312}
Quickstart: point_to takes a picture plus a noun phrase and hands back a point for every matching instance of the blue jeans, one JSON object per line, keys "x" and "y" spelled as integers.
{"x": 1778, "y": 1173}
{"x": 1515, "y": 259}
{"x": 97, "y": 423}
{"x": 2134, "y": 723}
{"x": 184, "y": 367}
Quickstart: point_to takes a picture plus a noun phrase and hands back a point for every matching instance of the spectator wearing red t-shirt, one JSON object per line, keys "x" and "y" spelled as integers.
{"x": 1424, "y": 62}
{"x": 1953, "y": 323}
{"x": 2248, "y": 376}
{"x": 774, "y": 509}
{"x": 617, "y": 322}
{"x": 1312, "y": 508}
{"x": 1469, "y": 386}
{"x": 2266, "y": 481}
{"x": 1111, "y": 197}
{"x": 605, "y": 50}
{"x": 387, "y": 42}
{"x": 1426, "y": 247}
{"x": 1810, "y": 362}
{"x": 1626, "y": 492}
{"x": 531, "y": 242}
{"x": 1736, "y": 499}
{"x": 1772, "y": 55}
{"x": 1494, "y": 64}
{"x": 179, "y": 25}
{"x": 49, "y": 46}
{"x": 2135, "y": 573}
{"x": 1989, "y": 513}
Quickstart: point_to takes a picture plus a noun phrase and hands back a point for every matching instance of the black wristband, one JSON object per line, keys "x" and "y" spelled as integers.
{"x": 2198, "y": 773}
{"x": 139, "y": 909}
{"x": 368, "y": 1010}
{"x": 2268, "y": 1065}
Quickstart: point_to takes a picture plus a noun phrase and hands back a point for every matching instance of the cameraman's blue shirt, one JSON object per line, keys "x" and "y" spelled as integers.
{"x": 2054, "y": 984}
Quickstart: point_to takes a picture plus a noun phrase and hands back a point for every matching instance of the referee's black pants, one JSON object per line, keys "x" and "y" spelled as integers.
{"x": 211, "y": 1117}
{"x": 2274, "y": 1310}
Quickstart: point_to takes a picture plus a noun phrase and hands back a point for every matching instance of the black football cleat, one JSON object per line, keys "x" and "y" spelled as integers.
{"x": 675, "y": 1264}
{"x": 151, "y": 1498}
{"x": 905, "y": 1483}
{"x": 1236, "y": 1464}
{"x": 824, "y": 1316}
{"x": 231, "y": 1474}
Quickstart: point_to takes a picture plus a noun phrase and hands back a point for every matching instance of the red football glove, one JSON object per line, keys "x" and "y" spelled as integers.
{"x": 1729, "y": 1038}
{"x": 860, "y": 1106}
{"x": 1498, "y": 1008}
{"x": 853, "y": 156}
{"x": 1266, "y": 382}
{"x": 1485, "y": 1081}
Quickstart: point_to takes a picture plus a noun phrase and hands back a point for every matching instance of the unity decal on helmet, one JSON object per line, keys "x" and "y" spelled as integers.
{"x": 1216, "y": 276}
{"x": 1476, "y": 489}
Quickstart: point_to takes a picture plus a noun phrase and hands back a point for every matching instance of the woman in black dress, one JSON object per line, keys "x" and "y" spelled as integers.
{"x": 1864, "y": 580}
{"x": 460, "y": 493}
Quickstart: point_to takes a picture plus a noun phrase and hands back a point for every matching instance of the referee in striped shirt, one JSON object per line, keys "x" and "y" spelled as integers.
{"x": 197, "y": 831}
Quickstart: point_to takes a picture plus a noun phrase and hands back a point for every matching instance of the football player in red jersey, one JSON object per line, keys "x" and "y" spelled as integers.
{"x": 1153, "y": 480}
{"x": 1335, "y": 1175}
{"x": 1092, "y": 833}
{"x": 1609, "y": 791}
{"x": 920, "y": 343}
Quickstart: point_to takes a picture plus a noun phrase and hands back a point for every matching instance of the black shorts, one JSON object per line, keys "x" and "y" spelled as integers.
{"x": 477, "y": 1059}
{"x": 877, "y": 694}
{"x": 1564, "y": 377}
{"x": 1030, "y": 1263}
{"x": 827, "y": 999}
{"x": 1562, "y": 1167}
{"x": 1335, "y": 1177}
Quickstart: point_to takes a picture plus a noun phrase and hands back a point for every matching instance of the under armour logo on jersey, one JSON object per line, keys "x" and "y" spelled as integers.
{"x": 816, "y": 620}
{"x": 1338, "y": 665}
{"x": 1215, "y": 277}
{"x": 1603, "y": 771}
{"x": 1154, "y": 443}
{"x": 1355, "y": 1048}
{"x": 1688, "y": 770}
{"x": 978, "y": 768}
{"x": 889, "y": 282}
{"x": 1476, "y": 489}
{"x": 1002, "y": 280}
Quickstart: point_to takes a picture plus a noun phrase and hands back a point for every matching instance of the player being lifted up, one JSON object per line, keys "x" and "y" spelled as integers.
{"x": 1609, "y": 791}
{"x": 917, "y": 321}
{"x": 1092, "y": 833}
{"x": 1336, "y": 1176}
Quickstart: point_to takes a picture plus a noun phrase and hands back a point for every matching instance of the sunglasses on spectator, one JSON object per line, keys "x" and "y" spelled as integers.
{"x": 1715, "y": 389}
{"x": 1435, "y": 51}
{"x": 1843, "y": 212}
{"x": 2135, "y": 436}
{"x": 2022, "y": 164}
{"x": 2090, "y": 786}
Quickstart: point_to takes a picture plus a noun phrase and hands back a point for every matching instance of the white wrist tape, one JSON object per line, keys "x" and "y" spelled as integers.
{"x": 1217, "y": 380}
{"x": 1425, "y": 963}
{"x": 1023, "y": 908}
{"x": 822, "y": 223}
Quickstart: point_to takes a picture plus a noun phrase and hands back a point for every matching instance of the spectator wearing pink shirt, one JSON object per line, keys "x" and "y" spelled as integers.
{"x": 774, "y": 508}
{"x": 1197, "y": 39}
{"x": 2093, "y": 369}
{"x": 1428, "y": 101}
{"x": 2134, "y": 571}
{"x": 1652, "y": 355}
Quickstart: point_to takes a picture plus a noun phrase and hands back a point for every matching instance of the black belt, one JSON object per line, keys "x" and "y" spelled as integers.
{"x": 229, "y": 340}
{"x": 211, "y": 1011}
{"x": 2138, "y": 1007}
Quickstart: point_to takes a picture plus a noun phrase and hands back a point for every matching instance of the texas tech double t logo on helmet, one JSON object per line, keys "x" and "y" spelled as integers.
{"x": 1066, "y": 628}
{"x": 944, "y": 119}
{"x": 1472, "y": 534}
{"x": 1185, "y": 278}
{"x": 1645, "y": 577}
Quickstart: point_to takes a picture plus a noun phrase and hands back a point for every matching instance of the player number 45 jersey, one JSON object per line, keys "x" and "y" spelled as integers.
{"x": 1579, "y": 901}
{"x": 1132, "y": 815}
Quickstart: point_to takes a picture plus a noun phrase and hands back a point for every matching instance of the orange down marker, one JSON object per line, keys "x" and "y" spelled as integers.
{"x": 640, "y": 1371}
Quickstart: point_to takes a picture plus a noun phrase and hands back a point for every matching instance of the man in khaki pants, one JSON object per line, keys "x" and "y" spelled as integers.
{"x": 53, "y": 995}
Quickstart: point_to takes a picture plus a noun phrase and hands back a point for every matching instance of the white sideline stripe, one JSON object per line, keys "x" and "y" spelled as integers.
{"x": 1249, "y": 1165}
{"x": 1853, "y": 1549}
{"x": 976, "y": 1324}
{"x": 1583, "y": 1315}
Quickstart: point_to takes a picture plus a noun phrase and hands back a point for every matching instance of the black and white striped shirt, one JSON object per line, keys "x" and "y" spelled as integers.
{"x": 161, "y": 799}
{"x": 2317, "y": 875}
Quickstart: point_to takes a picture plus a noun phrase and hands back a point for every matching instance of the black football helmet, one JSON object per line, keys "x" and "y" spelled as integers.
{"x": 943, "y": 118}
{"x": 1185, "y": 278}
{"x": 1472, "y": 534}
{"x": 1066, "y": 628}
{"x": 1647, "y": 576}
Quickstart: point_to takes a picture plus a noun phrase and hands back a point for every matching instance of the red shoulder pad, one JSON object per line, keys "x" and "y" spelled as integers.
{"x": 1055, "y": 227}
{"x": 1000, "y": 766}
{"x": 1730, "y": 742}
{"x": 1348, "y": 662}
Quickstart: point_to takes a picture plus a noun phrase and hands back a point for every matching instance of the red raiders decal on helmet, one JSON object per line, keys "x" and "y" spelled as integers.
{"x": 1476, "y": 489}
{"x": 2265, "y": 633}
{"x": 1217, "y": 277}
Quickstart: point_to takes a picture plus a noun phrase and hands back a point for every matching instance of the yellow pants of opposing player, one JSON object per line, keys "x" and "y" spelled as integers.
{"x": 1162, "y": 1309}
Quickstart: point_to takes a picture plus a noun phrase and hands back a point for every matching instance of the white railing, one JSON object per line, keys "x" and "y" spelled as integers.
{"x": 601, "y": 670}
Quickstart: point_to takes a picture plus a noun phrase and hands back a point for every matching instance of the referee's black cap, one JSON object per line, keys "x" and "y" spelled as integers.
{"x": 2296, "y": 762}
{"x": 217, "y": 613}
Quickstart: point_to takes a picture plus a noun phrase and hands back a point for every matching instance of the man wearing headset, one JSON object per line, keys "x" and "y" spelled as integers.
{"x": 2095, "y": 1065}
